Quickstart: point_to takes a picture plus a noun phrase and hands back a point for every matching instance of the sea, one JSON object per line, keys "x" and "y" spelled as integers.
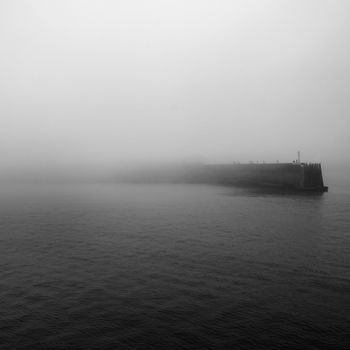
{"x": 169, "y": 266}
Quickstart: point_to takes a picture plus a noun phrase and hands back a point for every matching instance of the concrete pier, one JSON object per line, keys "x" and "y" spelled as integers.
{"x": 296, "y": 176}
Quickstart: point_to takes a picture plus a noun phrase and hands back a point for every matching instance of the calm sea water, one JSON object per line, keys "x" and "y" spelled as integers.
{"x": 173, "y": 267}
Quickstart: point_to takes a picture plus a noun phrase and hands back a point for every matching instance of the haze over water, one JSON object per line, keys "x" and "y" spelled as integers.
{"x": 91, "y": 88}
{"x": 91, "y": 84}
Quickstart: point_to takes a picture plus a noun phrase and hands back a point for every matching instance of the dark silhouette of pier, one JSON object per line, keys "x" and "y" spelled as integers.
{"x": 296, "y": 176}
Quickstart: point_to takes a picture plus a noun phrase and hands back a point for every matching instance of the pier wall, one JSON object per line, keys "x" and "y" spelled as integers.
{"x": 300, "y": 176}
{"x": 313, "y": 176}
{"x": 289, "y": 175}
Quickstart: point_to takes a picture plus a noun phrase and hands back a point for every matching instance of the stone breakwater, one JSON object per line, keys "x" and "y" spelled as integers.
{"x": 295, "y": 176}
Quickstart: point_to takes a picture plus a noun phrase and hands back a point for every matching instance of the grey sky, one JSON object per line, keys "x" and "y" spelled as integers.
{"x": 108, "y": 81}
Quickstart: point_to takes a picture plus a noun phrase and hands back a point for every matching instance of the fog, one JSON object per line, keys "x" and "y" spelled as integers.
{"x": 98, "y": 83}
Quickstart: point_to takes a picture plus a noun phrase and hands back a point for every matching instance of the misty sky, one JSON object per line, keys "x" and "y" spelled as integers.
{"x": 102, "y": 82}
